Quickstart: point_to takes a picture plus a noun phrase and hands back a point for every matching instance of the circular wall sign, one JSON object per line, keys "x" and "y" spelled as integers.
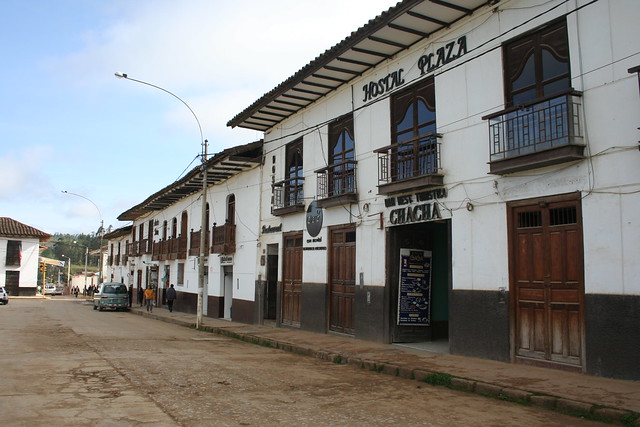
{"x": 314, "y": 219}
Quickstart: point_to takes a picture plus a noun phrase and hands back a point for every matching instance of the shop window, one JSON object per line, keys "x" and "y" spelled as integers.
{"x": 14, "y": 255}
{"x": 541, "y": 125}
{"x": 337, "y": 181}
{"x": 288, "y": 193}
{"x": 413, "y": 158}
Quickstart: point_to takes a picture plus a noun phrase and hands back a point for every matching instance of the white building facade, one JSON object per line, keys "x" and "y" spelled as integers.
{"x": 461, "y": 171}
{"x": 19, "y": 252}
{"x": 162, "y": 246}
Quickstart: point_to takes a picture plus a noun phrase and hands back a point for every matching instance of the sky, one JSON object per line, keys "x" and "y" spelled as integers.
{"x": 67, "y": 124}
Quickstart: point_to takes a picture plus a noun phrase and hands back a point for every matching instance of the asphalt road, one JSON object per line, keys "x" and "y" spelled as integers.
{"x": 64, "y": 364}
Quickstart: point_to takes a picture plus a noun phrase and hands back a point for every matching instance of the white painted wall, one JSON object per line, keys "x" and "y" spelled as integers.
{"x": 28, "y": 264}
{"x": 603, "y": 41}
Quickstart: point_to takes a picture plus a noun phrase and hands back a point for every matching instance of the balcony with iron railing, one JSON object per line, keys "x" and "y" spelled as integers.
{"x": 541, "y": 133}
{"x": 337, "y": 184}
{"x": 288, "y": 196}
{"x": 409, "y": 165}
{"x": 224, "y": 239}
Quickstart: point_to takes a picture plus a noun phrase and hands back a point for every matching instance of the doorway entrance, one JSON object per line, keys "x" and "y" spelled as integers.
{"x": 435, "y": 238}
{"x": 228, "y": 293}
{"x": 292, "y": 279}
{"x": 547, "y": 280}
{"x": 342, "y": 279}
{"x": 271, "y": 290}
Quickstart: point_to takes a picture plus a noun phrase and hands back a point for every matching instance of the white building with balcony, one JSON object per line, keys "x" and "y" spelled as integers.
{"x": 462, "y": 171}
{"x": 162, "y": 246}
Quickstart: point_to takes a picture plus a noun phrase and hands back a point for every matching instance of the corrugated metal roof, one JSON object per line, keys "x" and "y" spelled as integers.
{"x": 220, "y": 167}
{"x": 11, "y": 228}
{"x": 393, "y": 31}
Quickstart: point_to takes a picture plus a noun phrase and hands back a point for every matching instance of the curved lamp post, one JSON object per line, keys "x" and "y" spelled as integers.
{"x": 204, "y": 225}
{"x": 101, "y": 231}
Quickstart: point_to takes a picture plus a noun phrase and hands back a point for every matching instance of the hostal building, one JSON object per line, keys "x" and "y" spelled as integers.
{"x": 462, "y": 170}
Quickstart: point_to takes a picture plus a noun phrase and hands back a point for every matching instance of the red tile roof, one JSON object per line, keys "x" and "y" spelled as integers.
{"x": 12, "y": 228}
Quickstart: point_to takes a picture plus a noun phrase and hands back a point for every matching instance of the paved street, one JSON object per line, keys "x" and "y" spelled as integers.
{"x": 63, "y": 363}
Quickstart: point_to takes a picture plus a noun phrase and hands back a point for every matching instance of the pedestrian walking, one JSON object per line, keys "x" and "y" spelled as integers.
{"x": 75, "y": 291}
{"x": 149, "y": 297}
{"x": 171, "y": 296}
{"x": 130, "y": 295}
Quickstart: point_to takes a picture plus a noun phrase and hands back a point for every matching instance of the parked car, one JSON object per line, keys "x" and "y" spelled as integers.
{"x": 51, "y": 289}
{"x": 4, "y": 297}
{"x": 111, "y": 295}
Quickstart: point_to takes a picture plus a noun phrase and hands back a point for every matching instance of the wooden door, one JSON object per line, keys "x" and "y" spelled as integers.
{"x": 547, "y": 281}
{"x": 342, "y": 280}
{"x": 292, "y": 279}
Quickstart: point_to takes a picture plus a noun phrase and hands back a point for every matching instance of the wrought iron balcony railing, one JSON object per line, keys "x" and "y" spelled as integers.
{"x": 288, "y": 195}
{"x": 415, "y": 162}
{"x": 544, "y": 130}
{"x": 337, "y": 180}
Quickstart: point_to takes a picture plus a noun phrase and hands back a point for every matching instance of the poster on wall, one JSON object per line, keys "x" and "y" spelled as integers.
{"x": 414, "y": 294}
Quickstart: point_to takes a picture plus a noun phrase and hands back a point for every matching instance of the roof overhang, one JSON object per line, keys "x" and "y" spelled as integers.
{"x": 120, "y": 232}
{"x": 220, "y": 167}
{"x": 383, "y": 37}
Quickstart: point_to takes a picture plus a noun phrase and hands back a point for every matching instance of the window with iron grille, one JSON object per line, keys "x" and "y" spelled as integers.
{"x": 541, "y": 124}
{"x": 338, "y": 178}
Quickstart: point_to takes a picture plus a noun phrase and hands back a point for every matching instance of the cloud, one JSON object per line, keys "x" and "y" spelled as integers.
{"x": 21, "y": 173}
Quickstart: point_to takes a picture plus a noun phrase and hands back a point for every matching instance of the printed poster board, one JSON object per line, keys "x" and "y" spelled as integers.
{"x": 414, "y": 296}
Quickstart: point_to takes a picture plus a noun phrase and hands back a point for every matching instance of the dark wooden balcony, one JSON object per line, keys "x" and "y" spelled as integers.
{"x": 224, "y": 239}
{"x": 132, "y": 249}
{"x": 194, "y": 243}
{"x": 144, "y": 246}
{"x": 410, "y": 165}
{"x": 541, "y": 133}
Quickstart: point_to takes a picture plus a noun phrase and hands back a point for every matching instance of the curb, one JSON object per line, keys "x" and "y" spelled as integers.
{"x": 570, "y": 407}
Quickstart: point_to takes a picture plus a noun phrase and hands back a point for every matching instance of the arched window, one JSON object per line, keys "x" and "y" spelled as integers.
{"x": 537, "y": 65}
{"x": 184, "y": 224}
{"x": 414, "y": 131}
{"x": 231, "y": 209}
{"x": 294, "y": 175}
{"x": 341, "y": 157}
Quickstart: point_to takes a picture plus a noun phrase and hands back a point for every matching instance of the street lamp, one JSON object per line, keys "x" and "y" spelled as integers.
{"x": 204, "y": 225}
{"x": 101, "y": 230}
{"x": 68, "y": 272}
{"x": 86, "y": 257}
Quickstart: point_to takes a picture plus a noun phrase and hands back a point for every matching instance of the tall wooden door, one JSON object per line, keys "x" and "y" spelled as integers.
{"x": 342, "y": 279}
{"x": 292, "y": 279}
{"x": 547, "y": 280}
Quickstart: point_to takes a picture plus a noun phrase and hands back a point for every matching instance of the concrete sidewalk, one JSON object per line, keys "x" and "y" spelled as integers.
{"x": 597, "y": 398}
